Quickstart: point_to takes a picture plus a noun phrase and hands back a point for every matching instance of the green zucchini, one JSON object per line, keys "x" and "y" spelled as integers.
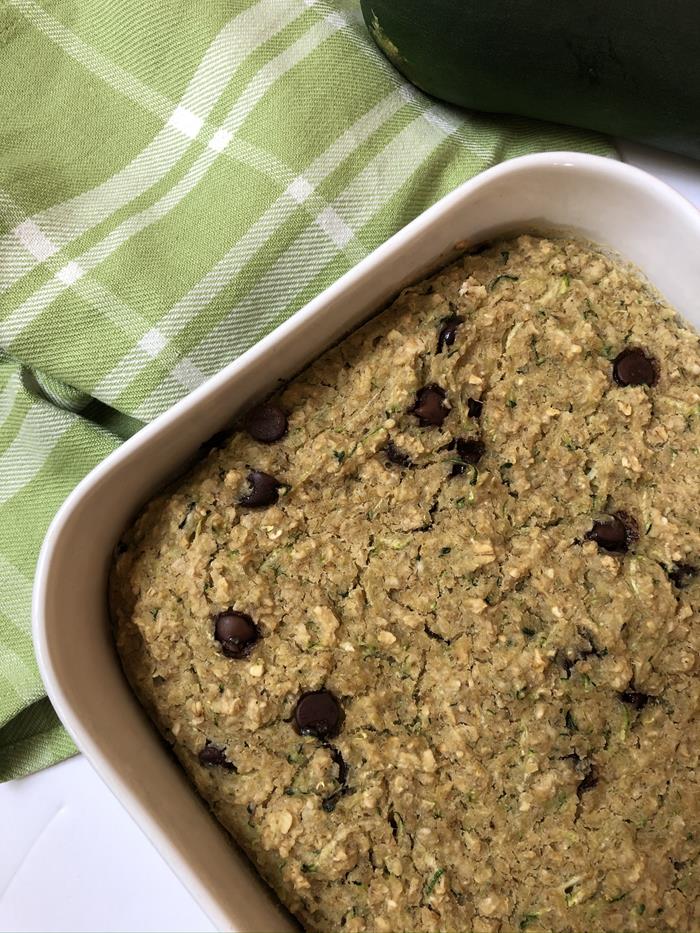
{"x": 626, "y": 67}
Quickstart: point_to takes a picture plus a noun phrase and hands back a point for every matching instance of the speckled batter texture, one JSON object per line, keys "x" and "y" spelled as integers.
{"x": 520, "y": 742}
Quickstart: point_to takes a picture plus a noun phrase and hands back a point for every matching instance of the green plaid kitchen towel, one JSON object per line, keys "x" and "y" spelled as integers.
{"x": 177, "y": 178}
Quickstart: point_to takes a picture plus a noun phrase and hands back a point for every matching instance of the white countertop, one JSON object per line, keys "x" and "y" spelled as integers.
{"x": 71, "y": 857}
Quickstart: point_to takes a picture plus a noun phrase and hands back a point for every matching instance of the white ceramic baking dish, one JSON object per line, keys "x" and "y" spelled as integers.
{"x": 605, "y": 201}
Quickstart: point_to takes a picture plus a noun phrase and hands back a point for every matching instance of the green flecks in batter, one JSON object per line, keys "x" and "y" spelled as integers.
{"x": 430, "y": 885}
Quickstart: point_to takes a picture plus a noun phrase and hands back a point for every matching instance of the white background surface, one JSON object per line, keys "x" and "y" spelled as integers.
{"x": 71, "y": 859}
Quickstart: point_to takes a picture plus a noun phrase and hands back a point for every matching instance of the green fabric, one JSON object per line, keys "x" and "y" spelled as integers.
{"x": 176, "y": 179}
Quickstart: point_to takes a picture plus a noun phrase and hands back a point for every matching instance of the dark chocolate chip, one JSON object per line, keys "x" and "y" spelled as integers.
{"x": 395, "y": 455}
{"x": 264, "y": 490}
{"x": 474, "y": 407}
{"x": 469, "y": 450}
{"x": 267, "y": 423}
{"x": 430, "y": 408}
{"x": 615, "y": 533}
{"x": 632, "y": 367}
{"x": 318, "y": 713}
{"x": 213, "y": 756}
{"x": 236, "y": 632}
{"x": 448, "y": 331}
{"x": 635, "y": 699}
{"x": 610, "y": 535}
{"x": 682, "y": 574}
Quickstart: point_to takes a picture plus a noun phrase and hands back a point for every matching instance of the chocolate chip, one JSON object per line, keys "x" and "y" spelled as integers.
{"x": 632, "y": 367}
{"x": 474, "y": 407}
{"x": 615, "y": 533}
{"x": 448, "y": 331}
{"x": 610, "y": 535}
{"x": 264, "y": 490}
{"x": 469, "y": 450}
{"x": 395, "y": 455}
{"x": 213, "y": 756}
{"x": 682, "y": 574}
{"x": 430, "y": 408}
{"x": 236, "y": 632}
{"x": 267, "y": 423}
{"x": 318, "y": 713}
{"x": 635, "y": 699}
